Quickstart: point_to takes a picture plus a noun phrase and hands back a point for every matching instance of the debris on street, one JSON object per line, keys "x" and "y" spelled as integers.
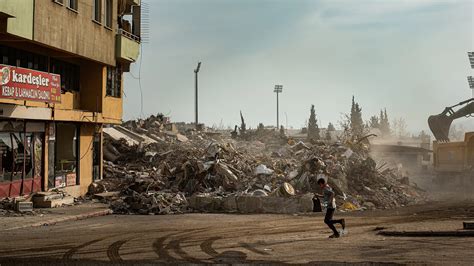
{"x": 157, "y": 174}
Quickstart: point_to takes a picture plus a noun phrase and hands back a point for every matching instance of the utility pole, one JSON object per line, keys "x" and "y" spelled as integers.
{"x": 196, "y": 71}
{"x": 278, "y": 89}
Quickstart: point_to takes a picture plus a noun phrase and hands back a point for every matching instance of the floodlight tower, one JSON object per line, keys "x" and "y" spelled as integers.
{"x": 196, "y": 71}
{"x": 278, "y": 89}
{"x": 470, "y": 79}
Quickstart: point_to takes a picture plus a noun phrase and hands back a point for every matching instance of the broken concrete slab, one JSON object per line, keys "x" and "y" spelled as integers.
{"x": 24, "y": 206}
{"x": 40, "y": 202}
{"x": 181, "y": 138}
{"x": 106, "y": 195}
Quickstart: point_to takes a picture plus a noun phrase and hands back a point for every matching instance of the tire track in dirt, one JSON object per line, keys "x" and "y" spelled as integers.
{"x": 68, "y": 255}
{"x": 113, "y": 250}
{"x": 206, "y": 246}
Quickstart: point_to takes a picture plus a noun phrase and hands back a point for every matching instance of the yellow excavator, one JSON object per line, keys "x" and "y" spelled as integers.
{"x": 453, "y": 161}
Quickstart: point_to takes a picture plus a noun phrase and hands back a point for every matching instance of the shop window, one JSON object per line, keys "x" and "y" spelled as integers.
{"x": 29, "y": 152}
{"x": 18, "y": 156}
{"x": 66, "y": 157}
{"x": 70, "y": 74}
{"x": 97, "y": 11}
{"x": 108, "y": 13}
{"x": 114, "y": 81}
{"x": 38, "y": 154}
{"x": 6, "y": 157}
{"x": 21, "y": 158}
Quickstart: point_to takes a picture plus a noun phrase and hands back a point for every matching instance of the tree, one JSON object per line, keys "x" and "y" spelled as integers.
{"x": 374, "y": 122}
{"x": 328, "y": 136}
{"x": 357, "y": 124}
{"x": 313, "y": 129}
{"x": 331, "y": 127}
{"x": 400, "y": 127}
{"x": 384, "y": 124}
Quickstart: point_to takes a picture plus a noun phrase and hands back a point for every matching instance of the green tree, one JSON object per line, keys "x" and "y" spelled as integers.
{"x": 357, "y": 124}
{"x": 313, "y": 129}
{"x": 374, "y": 122}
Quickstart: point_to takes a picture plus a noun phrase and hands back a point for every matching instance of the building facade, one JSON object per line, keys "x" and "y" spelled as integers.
{"x": 61, "y": 69}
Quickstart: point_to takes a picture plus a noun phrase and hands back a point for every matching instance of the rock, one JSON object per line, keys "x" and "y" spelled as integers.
{"x": 263, "y": 170}
{"x": 369, "y": 205}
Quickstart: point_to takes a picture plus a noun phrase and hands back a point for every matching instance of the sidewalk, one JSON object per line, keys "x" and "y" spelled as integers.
{"x": 54, "y": 215}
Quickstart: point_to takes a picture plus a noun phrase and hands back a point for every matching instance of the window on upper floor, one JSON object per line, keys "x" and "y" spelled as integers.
{"x": 97, "y": 11}
{"x": 72, "y": 4}
{"x": 70, "y": 74}
{"x": 19, "y": 58}
{"x": 114, "y": 81}
{"x": 108, "y": 13}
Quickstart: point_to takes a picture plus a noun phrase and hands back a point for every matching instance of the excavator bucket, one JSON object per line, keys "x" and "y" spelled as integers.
{"x": 439, "y": 125}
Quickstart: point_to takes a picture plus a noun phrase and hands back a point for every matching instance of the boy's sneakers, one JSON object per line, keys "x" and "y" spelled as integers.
{"x": 343, "y": 223}
{"x": 334, "y": 236}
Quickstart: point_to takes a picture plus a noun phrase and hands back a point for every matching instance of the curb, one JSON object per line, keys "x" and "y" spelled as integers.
{"x": 65, "y": 219}
{"x": 467, "y": 233}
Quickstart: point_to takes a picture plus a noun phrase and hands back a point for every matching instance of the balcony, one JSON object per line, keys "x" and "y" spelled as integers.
{"x": 133, "y": 2}
{"x": 127, "y": 46}
{"x": 19, "y": 14}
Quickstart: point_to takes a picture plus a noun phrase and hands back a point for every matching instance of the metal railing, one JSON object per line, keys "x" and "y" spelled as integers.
{"x": 128, "y": 35}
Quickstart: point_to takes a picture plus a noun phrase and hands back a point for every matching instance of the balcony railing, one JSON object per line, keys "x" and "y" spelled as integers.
{"x": 127, "y": 46}
{"x": 128, "y": 35}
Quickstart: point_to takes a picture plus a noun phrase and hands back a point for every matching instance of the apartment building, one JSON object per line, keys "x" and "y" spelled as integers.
{"x": 61, "y": 69}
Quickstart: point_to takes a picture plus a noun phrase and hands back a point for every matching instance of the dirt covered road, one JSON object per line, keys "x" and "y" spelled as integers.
{"x": 209, "y": 238}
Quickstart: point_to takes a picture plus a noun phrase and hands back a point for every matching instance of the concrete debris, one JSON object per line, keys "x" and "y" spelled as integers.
{"x": 16, "y": 207}
{"x": 263, "y": 170}
{"x": 156, "y": 177}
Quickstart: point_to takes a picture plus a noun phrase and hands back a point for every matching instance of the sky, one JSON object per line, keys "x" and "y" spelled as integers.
{"x": 408, "y": 56}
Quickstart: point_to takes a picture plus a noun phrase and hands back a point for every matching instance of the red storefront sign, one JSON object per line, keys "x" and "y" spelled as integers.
{"x": 31, "y": 85}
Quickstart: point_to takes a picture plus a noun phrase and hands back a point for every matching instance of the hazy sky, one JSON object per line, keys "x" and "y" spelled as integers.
{"x": 409, "y": 56}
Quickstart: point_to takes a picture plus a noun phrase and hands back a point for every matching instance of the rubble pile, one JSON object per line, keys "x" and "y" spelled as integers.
{"x": 9, "y": 208}
{"x": 157, "y": 176}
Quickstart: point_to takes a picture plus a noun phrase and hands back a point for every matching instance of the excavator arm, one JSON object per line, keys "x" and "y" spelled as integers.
{"x": 441, "y": 123}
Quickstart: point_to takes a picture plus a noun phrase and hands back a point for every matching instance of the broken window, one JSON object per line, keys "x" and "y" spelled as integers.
{"x": 18, "y": 156}
{"x": 67, "y": 156}
{"x": 6, "y": 157}
{"x": 114, "y": 81}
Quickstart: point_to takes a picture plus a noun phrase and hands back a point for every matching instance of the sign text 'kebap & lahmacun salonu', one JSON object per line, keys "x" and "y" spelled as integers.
{"x": 31, "y": 85}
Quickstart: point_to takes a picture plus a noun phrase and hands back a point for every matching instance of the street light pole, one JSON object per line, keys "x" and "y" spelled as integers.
{"x": 278, "y": 89}
{"x": 196, "y": 71}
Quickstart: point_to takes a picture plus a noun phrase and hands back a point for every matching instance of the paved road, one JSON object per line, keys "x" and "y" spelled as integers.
{"x": 205, "y": 238}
